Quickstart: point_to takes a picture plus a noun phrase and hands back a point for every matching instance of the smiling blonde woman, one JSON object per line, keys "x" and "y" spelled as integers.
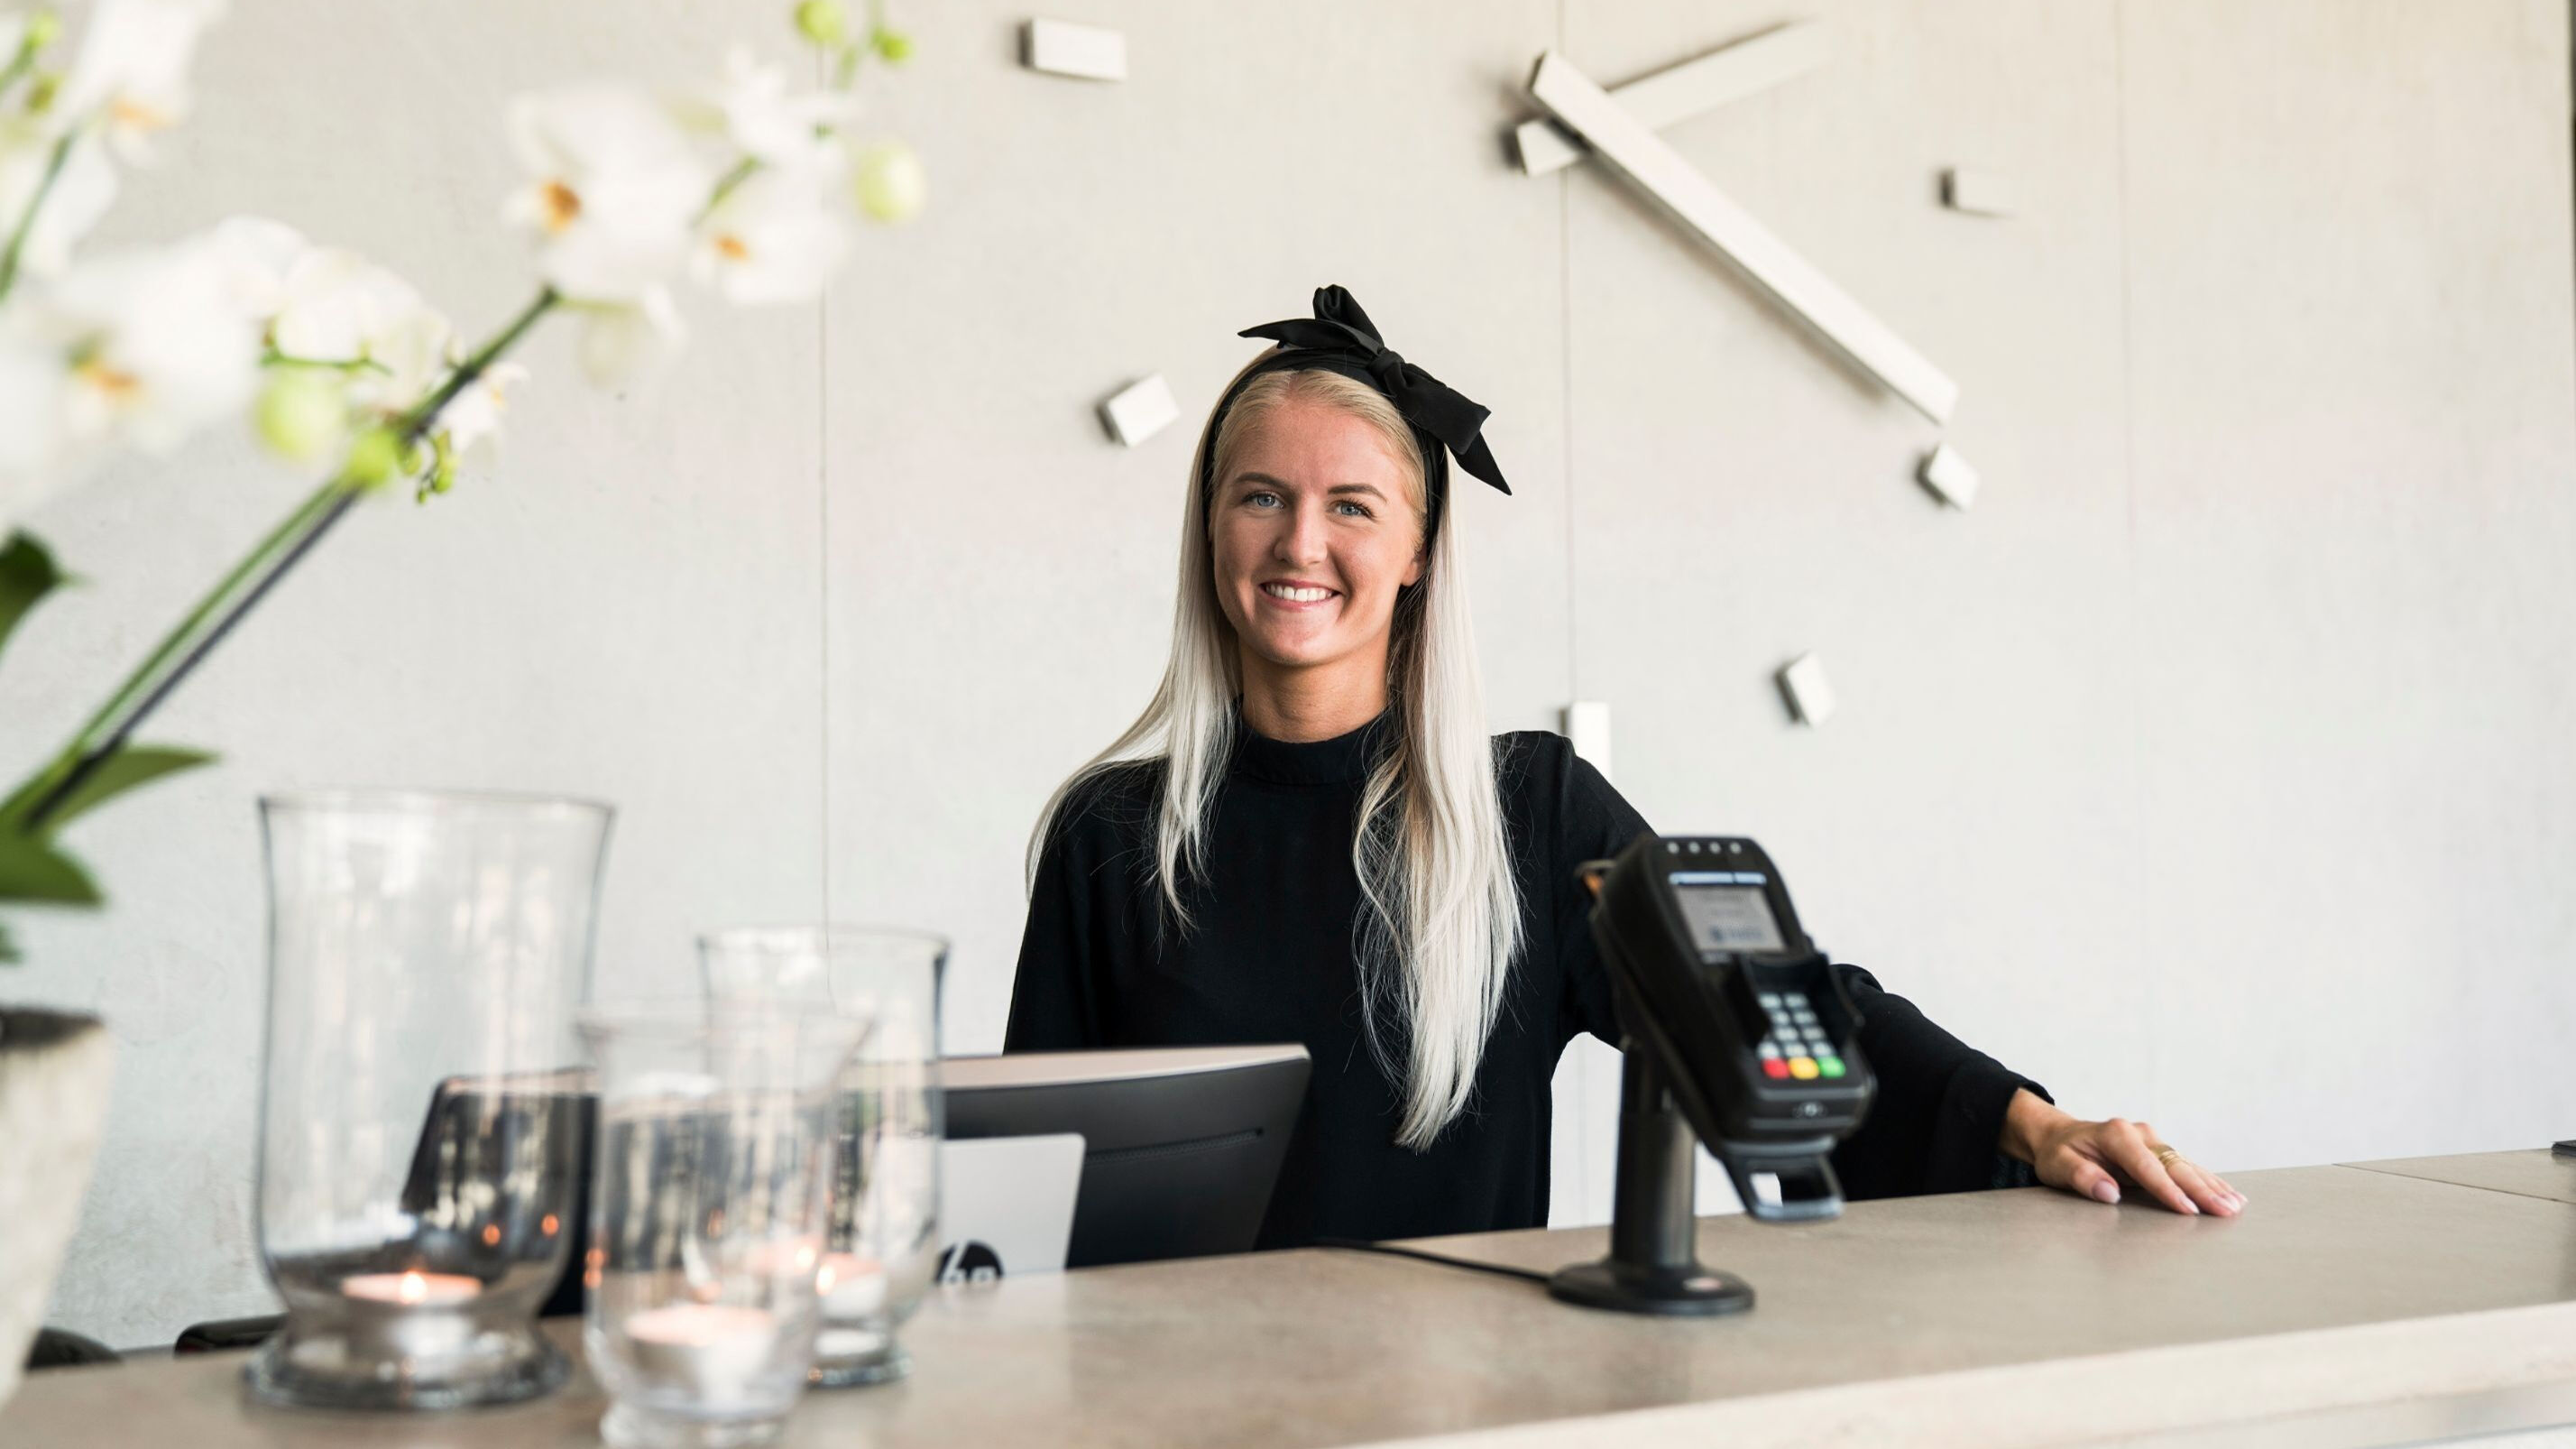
{"x": 1309, "y": 836}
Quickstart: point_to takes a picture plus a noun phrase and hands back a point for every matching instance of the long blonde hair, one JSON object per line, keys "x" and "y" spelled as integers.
{"x": 1441, "y": 923}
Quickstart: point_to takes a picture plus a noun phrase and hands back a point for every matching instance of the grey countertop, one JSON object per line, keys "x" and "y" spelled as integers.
{"x": 2346, "y": 1300}
{"x": 2532, "y": 1174}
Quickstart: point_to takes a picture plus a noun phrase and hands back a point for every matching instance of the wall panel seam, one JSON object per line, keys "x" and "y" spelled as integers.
{"x": 2136, "y": 803}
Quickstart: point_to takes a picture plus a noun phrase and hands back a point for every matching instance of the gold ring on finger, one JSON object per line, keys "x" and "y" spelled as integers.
{"x": 2168, "y": 1156}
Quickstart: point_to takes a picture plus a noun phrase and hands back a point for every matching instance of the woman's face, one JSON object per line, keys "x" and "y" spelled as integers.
{"x": 1313, "y": 530}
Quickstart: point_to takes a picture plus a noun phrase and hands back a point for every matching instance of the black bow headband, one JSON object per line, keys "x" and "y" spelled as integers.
{"x": 1340, "y": 338}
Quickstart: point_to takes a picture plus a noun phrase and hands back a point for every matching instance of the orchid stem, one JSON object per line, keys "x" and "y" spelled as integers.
{"x": 323, "y": 364}
{"x": 26, "y": 226}
{"x": 725, "y": 185}
{"x": 18, "y": 66}
{"x": 239, "y": 591}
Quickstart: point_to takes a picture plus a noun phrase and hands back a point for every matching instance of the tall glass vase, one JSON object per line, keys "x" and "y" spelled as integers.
{"x": 420, "y": 1134}
{"x": 884, "y": 1246}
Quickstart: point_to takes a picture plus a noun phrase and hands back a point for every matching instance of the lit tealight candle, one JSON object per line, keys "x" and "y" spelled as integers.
{"x": 407, "y": 1315}
{"x": 715, "y": 1348}
{"x": 852, "y": 1286}
{"x": 414, "y": 1287}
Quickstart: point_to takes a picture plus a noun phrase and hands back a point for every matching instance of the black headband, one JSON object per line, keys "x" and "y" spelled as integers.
{"x": 1340, "y": 338}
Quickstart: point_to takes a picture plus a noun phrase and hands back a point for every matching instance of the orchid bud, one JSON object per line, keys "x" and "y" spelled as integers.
{"x": 824, "y": 22}
{"x": 442, "y": 467}
{"x": 43, "y": 28}
{"x": 892, "y": 46}
{"x": 373, "y": 459}
{"x": 301, "y": 413}
{"x": 891, "y": 183}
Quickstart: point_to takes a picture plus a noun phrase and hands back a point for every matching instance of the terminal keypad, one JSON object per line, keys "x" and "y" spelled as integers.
{"x": 1796, "y": 1047}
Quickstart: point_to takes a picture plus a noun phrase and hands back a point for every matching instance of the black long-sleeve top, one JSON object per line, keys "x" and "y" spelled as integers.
{"x": 1271, "y": 957}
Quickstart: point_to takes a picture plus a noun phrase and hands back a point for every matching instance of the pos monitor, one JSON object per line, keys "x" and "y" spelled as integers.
{"x": 1181, "y": 1145}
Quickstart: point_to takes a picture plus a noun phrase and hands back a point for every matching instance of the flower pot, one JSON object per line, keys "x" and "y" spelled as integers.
{"x": 54, "y": 1071}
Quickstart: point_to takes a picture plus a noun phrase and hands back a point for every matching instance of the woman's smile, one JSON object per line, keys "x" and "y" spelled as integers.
{"x": 1297, "y": 594}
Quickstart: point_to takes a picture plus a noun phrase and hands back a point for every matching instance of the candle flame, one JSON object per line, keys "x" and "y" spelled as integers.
{"x": 412, "y": 1289}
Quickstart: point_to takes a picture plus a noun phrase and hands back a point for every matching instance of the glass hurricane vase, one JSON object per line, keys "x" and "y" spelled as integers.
{"x": 884, "y": 1245}
{"x": 419, "y": 1124}
{"x": 710, "y": 1216}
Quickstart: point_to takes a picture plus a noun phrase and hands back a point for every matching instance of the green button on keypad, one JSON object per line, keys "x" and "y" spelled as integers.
{"x": 1833, "y": 1066}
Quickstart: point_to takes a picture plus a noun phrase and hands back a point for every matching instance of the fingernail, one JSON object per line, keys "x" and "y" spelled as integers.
{"x": 2106, "y": 1190}
{"x": 2190, "y": 1207}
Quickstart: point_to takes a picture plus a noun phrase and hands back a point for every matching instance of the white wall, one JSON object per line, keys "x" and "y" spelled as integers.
{"x": 2208, "y": 771}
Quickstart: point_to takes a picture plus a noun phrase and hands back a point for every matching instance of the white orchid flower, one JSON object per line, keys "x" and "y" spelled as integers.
{"x": 780, "y": 233}
{"x": 475, "y": 415}
{"x": 337, "y": 308}
{"x": 149, "y": 346}
{"x": 80, "y": 195}
{"x": 132, "y": 70}
{"x": 621, "y": 341}
{"x": 412, "y": 355}
{"x": 753, "y": 108}
{"x": 256, "y": 254}
{"x": 613, "y": 187}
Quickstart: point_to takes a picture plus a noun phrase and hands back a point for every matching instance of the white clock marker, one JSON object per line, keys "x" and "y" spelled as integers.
{"x": 1085, "y": 52}
{"x": 1140, "y": 410}
{"x": 1978, "y": 193}
{"x": 1810, "y": 694}
{"x": 1949, "y": 477}
{"x": 1643, "y": 157}
{"x": 1677, "y": 93}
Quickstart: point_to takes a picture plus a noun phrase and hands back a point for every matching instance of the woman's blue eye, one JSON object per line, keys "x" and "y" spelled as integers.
{"x": 1260, "y": 499}
{"x": 1357, "y": 510}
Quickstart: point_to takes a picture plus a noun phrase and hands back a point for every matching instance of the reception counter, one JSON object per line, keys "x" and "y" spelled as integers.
{"x": 2379, "y": 1303}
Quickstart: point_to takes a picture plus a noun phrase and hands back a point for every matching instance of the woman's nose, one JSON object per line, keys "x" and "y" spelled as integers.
{"x": 1301, "y": 536}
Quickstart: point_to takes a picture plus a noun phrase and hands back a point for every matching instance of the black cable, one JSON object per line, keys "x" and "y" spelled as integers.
{"x": 1356, "y": 1246}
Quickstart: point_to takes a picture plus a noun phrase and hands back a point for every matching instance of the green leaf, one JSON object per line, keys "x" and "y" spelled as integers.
{"x": 130, "y": 766}
{"x": 8, "y": 949}
{"x": 27, "y": 574}
{"x": 31, "y": 870}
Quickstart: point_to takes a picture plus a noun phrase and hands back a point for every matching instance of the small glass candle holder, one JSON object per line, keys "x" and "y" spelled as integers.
{"x": 710, "y": 1215}
{"x": 884, "y": 1247}
{"x": 420, "y": 1128}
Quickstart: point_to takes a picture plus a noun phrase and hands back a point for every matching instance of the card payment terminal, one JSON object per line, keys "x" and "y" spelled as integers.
{"x": 1737, "y": 1035}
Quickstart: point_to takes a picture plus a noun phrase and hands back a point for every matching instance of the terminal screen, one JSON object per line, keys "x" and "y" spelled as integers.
{"x": 1729, "y": 918}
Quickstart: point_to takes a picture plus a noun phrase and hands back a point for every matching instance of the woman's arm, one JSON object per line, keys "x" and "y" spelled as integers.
{"x": 1941, "y": 1105}
{"x": 1055, "y": 1005}
{"x": 1947, "y": 1117}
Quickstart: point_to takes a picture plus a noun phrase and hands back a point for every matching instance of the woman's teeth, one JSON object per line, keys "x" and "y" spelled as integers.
{"x": 1296, "y": 596}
